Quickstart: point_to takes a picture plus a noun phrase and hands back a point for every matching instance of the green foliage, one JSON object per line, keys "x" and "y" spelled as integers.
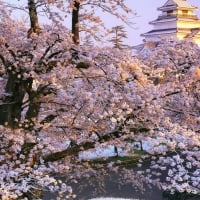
{"x": 119, "y": 34}
{"x": 119, "y": 160}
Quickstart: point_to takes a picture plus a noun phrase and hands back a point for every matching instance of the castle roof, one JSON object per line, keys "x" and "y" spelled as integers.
{"x": 183, "y": 3}
{"x": 177, "y": 3}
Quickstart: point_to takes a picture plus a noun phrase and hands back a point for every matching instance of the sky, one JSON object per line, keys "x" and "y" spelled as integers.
{"x": 146, "y": 11}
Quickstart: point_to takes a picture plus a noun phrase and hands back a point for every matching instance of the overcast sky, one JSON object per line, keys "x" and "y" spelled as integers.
{"x": 146, "y": 10}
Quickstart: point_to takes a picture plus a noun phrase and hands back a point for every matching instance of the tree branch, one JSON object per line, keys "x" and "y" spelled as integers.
{"x": 74, "y": 150}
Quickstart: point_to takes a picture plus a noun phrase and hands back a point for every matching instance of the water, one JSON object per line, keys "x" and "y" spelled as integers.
{"x": 110, "y": 198}
{"x": 116, "y": 185}
{"x": 111, "y": 186}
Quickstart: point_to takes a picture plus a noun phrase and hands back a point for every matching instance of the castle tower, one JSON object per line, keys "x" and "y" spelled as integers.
{"x": 177, "y": 20}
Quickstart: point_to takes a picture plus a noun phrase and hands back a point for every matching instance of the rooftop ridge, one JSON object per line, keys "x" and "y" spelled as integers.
{"x": 179, "y": 3}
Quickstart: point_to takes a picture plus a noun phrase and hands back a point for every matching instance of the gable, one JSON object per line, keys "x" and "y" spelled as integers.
{"x": 170, "y": 3}
{"x": 183, "y": 4}
{"x": 179, "y": 3}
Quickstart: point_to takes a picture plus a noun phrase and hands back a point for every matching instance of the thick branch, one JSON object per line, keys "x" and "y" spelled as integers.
{"x": 74, "y": 150}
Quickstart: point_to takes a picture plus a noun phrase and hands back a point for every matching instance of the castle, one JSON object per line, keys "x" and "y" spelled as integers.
{"x": 177, "y": 20}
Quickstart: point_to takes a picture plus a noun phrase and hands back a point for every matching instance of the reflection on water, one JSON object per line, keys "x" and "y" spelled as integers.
{"x": 113, "y": 184}
{"x": 122, "y": 184}
{"x": 111, "y": 198}
{"x": 180, "y": 196}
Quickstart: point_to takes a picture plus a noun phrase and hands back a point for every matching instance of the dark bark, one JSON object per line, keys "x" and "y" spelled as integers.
{"x": 75, "y": 22}
{"x": 11, "y": 107}
{"x": 34, "y": 22}
{"x": 34, "y": 105}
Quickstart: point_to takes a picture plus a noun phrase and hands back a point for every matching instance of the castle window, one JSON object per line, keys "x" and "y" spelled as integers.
{"x": 169, "y": 12}
{"x": 184, "y": 12}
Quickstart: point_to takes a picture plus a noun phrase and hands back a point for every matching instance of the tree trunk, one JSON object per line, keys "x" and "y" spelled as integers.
{"x": 34, "y": 105}
{"x": 34, "y": 22}
{"x": 75, "y": 22}
{"x": 11, "y": 107}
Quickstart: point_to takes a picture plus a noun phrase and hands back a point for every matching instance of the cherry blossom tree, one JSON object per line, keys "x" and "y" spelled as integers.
{"x": 52, "y": 108}
{"x": 20, "y": 105}
{"x": 174, "y": 68}
{"x": 33, "y": 98}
